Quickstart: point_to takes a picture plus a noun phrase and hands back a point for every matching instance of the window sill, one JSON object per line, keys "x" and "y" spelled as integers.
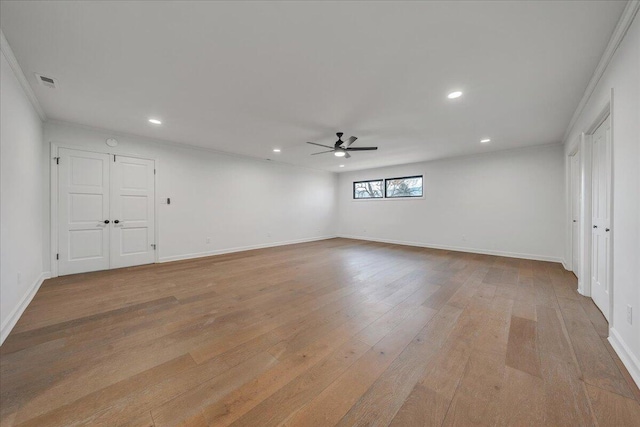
{"x": 388, "y": 199}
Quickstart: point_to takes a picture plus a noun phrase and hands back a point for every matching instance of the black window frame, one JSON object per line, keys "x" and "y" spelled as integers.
{"x": 382, "y": 192}
{"x": 386, "y": 196}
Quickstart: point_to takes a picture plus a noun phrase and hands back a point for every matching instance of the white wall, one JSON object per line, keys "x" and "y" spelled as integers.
{"x": 506, "y": 203}
{"x": 21, "y": 199}
{"x": 238, "y": 202}
{"x": 622, "y": 76}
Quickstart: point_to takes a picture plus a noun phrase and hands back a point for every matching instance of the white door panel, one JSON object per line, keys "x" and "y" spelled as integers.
{"x": 601, "y": 224}
{"x": 575, "y": 213}
{"x": 132, "y": 211}
{"x": 83, "y": 199}
{"x": 94, "y": 188}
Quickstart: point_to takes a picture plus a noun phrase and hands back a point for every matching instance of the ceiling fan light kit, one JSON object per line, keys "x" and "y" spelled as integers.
{"x": 342, "y": 148}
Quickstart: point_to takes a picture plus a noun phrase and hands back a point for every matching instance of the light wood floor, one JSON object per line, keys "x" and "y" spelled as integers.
{"x": 337, "y": 332}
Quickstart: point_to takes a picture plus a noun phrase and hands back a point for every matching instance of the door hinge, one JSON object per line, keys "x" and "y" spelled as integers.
{"x": 154, "y": 171}
{"x": 57, "y": 160}
{"x": 114, "y": 158}
{"x": 153, "y": 245}
{"x": 57, "y": 256}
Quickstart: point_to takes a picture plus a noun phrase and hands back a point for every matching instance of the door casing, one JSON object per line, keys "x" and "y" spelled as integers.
{"x": 53, "y": 194}
{"x": 575, "y": 211}
{"x": 604, "y": 217}
{"x": 584, "y": 145}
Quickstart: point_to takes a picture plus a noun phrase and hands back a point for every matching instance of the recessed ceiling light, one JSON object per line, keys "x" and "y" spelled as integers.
{"x": 155, "y": 121}
{"x": 341, "y": 166}
{"x": 339, "y": 153}
{"x": 454, "y": 95}
{"x": 276, "y": 150}
{"x": 484, "y": 141}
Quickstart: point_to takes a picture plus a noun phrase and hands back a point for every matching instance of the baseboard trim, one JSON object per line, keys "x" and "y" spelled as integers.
{"x": 458, "y": 249}
{"x": 13, "y": 318}
{"x": 241, "y": 249}
{"x": 629, "y": 360}
{"x": 582, "y": 292}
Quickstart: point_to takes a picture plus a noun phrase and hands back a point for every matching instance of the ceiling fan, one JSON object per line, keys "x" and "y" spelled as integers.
{"x": 342, "y": 148}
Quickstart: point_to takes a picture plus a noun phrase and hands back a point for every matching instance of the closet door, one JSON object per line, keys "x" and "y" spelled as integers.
{"x": 132, "y": 211}
{"x": 83, "y": 216}
{"x": 601, "y": 222}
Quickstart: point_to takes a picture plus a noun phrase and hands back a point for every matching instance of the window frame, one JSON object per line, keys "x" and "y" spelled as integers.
{"x": 382, "y": 190}
{"x": 386, "y": 196}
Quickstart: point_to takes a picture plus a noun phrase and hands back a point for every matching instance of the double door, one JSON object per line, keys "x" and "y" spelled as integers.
{"x": 105, "y": 211}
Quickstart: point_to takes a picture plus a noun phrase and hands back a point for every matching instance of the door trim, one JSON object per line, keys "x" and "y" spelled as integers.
{"x": 573, "y": 191}
{"x": 53, "y": 197}
{"x": 581, "y": 148}
{"x": 606, "y": 112}
{"x": 583, "y": 143}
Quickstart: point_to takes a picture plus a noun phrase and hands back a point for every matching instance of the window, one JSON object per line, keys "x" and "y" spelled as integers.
{"x": 409, "y": 186}
{"x": 389, "y": 188}
{"x": 368, "y": 189}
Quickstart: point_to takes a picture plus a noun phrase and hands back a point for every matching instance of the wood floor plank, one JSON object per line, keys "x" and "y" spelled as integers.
{"x": 611, "y": 409}
{"x": 383, "y": 399}
{"x": 482, "y": 380}
{"x": 429, "y": 401}
{"x": 524, "y": 309}
{"x": 597, "y": 365}
{"x": 336, "y": 400}
{"x": 143, "y": 419}
{"x": 330, "y": 332}
{"x": 522, "y": 349}
{"x": 274, "y": 409}
{"x": 242, "y": 400}
{"x": 474, "y": 399}
{"x": 566, "y": 401}
{"x": 635, "y": 390}
{"x": 8, "y": 419}
{"x": 598, "y": 321}
{"x": 521, "y": 401}
{"x": 104, "y": 406}
{"x": 188, "y": 404}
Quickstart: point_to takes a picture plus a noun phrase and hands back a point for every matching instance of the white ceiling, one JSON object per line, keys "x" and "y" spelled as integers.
{"x": 246, "y": 77}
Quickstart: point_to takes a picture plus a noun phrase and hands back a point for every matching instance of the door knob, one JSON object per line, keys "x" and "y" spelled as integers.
{"x": 606, "y": 229}
{"x": 117, "y": 221}
{"x": 595, "y": 226}
{"x": 575, "y": 220}
{"x": 106, "y": 221}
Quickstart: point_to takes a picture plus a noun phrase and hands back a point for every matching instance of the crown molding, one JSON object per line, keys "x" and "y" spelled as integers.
{"x": 625, "y": 21}
{"x": 17, "y": 70}
{"x": 179, "y": 144}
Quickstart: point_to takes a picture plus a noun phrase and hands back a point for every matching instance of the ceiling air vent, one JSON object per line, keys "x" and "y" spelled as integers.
{"x": 46, "y": 81}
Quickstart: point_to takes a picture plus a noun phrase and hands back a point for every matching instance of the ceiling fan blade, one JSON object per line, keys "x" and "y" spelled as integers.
{"x": 322, "y": 152}
{"x": 347, "y": 155}
{"x": 350, "y": 141}
{"x": 319, "y": 145}
{"x": 361, "y": 148}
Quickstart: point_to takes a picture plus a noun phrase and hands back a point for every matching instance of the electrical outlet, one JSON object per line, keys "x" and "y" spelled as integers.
{"x": 464, "y": 237}
{"x": 629, "y": 314}
{"x": 19, "y": 278}
{"x": 208, "y": 240}
{"x": 269, "y": 234}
